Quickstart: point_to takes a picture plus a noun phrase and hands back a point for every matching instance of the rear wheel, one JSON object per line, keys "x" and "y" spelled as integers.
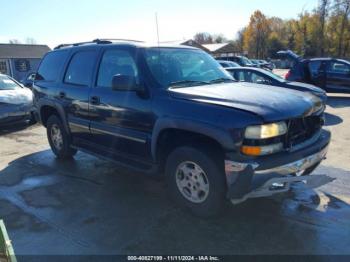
{"x": 59, "y": 139}
{"x": 196, "y": 181}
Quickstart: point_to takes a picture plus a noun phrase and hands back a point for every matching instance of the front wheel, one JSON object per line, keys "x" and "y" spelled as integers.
{"x": 196, "y": 181}
{"x": 59, "y": 139}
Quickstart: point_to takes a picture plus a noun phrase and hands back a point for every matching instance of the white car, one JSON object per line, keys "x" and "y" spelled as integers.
{"x": 16, "y": 102}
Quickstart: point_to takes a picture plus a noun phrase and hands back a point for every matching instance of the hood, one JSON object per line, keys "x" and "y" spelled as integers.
{"x": 306, "y": 87}
{"x": 17, "y": 96}
{"x": 269, "y": 102}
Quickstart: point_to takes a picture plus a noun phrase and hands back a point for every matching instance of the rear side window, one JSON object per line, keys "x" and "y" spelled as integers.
{"x": 51, "y": 66}
{"x": 80, "y": 68}
{"x": 338, "y": 68}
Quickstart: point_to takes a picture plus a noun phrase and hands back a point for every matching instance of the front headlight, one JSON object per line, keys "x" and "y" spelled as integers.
{"x": 266, "y": 131}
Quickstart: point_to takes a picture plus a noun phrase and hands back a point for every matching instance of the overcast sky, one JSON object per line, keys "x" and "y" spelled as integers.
{"x": 53, "y": 22}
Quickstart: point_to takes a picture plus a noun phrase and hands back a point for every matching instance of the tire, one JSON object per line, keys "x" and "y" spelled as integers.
{"x": 200, "y": 203}
{"x": 60, "y": 147}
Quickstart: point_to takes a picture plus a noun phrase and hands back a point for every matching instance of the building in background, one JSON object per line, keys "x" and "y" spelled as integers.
{"x": 222, "y": 50}
{"x": 19, "y": 60}
{"x": 188, "y": 42}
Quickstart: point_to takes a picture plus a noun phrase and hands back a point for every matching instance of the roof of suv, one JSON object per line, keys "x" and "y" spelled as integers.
{"x": 327, "y": 59}
{"x": 134, "y": 43}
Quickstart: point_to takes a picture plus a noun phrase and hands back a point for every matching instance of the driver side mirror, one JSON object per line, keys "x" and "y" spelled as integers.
{"x": 124, "y": 83}
{"x": 28, "y": 81}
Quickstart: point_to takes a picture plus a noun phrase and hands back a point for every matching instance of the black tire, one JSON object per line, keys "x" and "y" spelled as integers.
{"x": 64, "y": 151}
{"x": 215, "y": 201}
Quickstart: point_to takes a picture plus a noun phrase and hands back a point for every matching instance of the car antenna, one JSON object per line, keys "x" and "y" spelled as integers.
{"x": 156, "y": 16}
{"x": 159, "y": 57}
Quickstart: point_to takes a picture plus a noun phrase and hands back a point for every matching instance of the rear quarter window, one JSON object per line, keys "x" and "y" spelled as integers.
{"x": 51, "y": 66}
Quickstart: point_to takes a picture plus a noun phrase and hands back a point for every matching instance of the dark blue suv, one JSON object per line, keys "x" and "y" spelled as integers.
{"x": 174, "y": 110}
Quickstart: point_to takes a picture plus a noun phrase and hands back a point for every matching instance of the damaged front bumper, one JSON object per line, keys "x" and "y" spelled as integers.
{"x": 273, "y": 174}
{"x": 15, "y": 113}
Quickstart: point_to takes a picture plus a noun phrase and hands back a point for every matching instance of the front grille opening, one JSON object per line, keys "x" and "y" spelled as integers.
{"x": 303, "y": 129}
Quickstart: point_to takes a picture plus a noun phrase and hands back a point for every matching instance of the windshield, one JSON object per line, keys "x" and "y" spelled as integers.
{"x": 274, "y": 76}
{"x": 171, "y": 67}
{"x": 246, "y": 61}
{"x": 7, "y": 83}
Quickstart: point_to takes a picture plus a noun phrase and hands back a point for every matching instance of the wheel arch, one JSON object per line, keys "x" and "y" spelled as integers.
{"x": 48, "y": 108}
{"x": 170, "y": 133}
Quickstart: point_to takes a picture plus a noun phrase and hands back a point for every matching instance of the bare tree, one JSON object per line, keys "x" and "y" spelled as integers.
{"x": 240, "y": 40}
{"x": 323, "y": 13}
{"x": 30, "y": 41}
{"x": 203, "y": 38}
{"x": 14, "y": 41}
{"x": 344, "y": 7}
{"x": 219, "y": 38}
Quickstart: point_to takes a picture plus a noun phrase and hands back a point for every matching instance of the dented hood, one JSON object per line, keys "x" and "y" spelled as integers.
{"x": 269, "y": 102}
{"x": 16, "y": 96}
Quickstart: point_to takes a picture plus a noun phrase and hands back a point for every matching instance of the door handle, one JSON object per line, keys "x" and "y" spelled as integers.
{"x": 61, "y": 94}
{"x": 95, "y": 100}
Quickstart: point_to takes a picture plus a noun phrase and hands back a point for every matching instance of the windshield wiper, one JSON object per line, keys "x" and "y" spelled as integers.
{"x": 184, "y": 83}
{"x": 221, "y": 80}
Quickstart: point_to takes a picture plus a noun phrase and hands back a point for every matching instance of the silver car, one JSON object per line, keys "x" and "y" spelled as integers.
{"x": 16, "y": 102}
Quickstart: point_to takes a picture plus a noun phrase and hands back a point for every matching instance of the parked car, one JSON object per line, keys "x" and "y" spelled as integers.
{"x": 28, "y": 81}
{"x": 16, "y": 102}
{"x": 228, "y": 64}
{"x": 260, "y": 76}
{"x": 330, "y": 74}
{"x": 174, "y": 110}
{"x": 255, "y": 62}
{"x": 264, "y": 64}
{"x": 241, "y": 60}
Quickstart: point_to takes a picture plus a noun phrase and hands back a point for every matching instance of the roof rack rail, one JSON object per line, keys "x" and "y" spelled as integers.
{"x": 117, "y": 39}
{"x": 97, "y": 41}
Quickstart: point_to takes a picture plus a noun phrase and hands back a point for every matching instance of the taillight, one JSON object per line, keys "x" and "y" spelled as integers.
{"x": 287, "y": 75}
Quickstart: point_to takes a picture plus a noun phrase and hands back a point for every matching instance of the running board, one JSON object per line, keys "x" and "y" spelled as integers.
{"x": 283, "y": 184}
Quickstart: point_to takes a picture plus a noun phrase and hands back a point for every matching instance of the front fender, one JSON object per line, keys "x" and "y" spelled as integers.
{"x": 222, "y": 136}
